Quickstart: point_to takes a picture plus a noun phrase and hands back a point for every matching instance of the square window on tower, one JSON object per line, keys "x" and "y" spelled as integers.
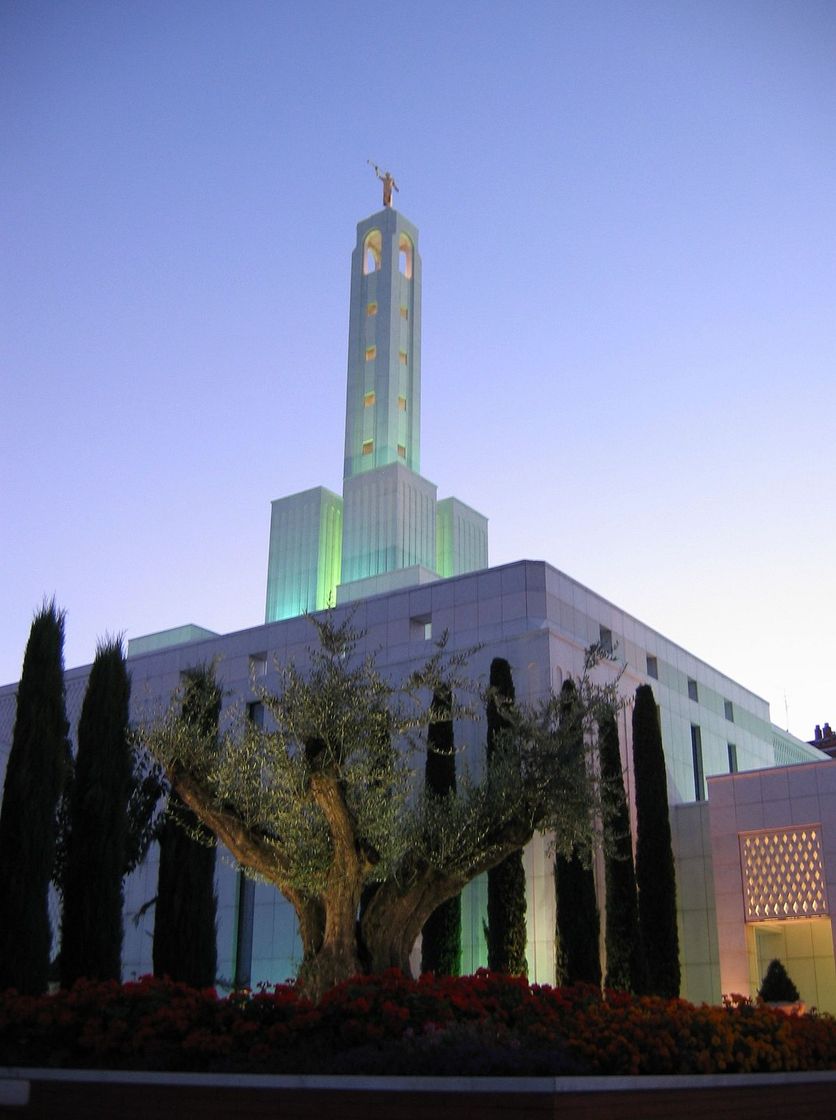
{"x": 401, "y": 451}
{"x": 368, "y": 446}
{"x": 402, "y": 357}
{"x": 371, "y": 353}
{"x": 404, "y": 312}
{"x": 368, "y": 399}
{"x": 401, "y": 404}
{"x": 371, "y": 308}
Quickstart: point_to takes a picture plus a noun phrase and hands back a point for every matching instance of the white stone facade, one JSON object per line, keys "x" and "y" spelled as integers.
{"x": 541, "y": 620}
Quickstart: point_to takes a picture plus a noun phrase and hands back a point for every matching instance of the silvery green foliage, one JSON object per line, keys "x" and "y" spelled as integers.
{"x": 326, "y": 802}
{"x": 340, "y": 717}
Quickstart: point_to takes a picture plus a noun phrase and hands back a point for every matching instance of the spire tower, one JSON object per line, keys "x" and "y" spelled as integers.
{"x": 388, "y": 529}
{"x": 383, "y": 398}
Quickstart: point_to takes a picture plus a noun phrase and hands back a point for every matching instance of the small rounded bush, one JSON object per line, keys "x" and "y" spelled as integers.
{"x": 777, "y": 986}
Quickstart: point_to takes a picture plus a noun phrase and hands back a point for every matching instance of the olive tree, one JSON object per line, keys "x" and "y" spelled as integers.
{"x": 327, "y": 802}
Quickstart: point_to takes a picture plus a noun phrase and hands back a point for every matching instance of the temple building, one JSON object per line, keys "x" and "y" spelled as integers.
{"x": 753, "y": 809}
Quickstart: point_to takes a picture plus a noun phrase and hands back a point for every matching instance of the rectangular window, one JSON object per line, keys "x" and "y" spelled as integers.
{"x": 371, "y": 309}
{"x": 258, "y": 665}
{"x": 605, "y": 639}
{"x": 402, "y": 357}
{"x": 401, "y": 451}
{"x": 732, "y": 758}
{"x": 652, "y": 667}
{"x": 368, "y": 400}
{"x": 401, "y": 404}
{"x": 371, "y": 353}
{"x": 368, "y": 446}
{"x": 696, "y": 756}
{"x": 693, "y": 693}
{"x": 404, "y": 312}
{"x": 421, "y": 628}
{"x": 729, "y": 710}
{"x": 255, "y": 713}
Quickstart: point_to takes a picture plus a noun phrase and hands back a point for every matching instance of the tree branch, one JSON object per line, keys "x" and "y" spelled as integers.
{"x": 250, "y": 850}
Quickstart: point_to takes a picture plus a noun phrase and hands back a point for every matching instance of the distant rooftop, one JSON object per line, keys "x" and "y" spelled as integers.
{"x": 163, "y": 639}
{"x": 825, "y": 739}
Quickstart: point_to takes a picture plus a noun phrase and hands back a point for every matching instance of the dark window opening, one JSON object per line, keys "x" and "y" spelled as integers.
{"x": 696, "y": 756}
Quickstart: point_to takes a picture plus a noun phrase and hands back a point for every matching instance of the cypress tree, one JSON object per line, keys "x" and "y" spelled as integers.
{"x": 36, "y": 771}
{"x": 441, "y": 943}
{"x": 578, "y": 922}
{"x": 506, "y": 930}
{"x": 626, "y": 968}
{"x": 185, "y": 937}
{"x": 655, "y": 876}
{"x": 91, "y": 927}
{"x": 578, "y": 931}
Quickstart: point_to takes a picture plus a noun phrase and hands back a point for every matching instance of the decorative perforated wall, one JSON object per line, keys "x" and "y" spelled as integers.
{"x": 783, "y": 875}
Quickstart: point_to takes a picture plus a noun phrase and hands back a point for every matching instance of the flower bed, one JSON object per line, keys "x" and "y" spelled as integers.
{"x": 476, "y": 1025}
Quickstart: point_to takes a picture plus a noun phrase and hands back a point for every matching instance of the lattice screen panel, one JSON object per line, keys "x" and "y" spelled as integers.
{"x": 783, "y": 876}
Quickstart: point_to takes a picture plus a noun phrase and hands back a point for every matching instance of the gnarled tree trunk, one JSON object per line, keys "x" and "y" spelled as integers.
{"x": 339, "y": 938}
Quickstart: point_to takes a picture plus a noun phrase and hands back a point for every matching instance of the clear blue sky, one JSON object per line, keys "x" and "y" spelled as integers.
{"x": 629, "y": 348}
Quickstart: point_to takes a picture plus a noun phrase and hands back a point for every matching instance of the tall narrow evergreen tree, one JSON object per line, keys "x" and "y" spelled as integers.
{"x": 185, "y": 938}
{"x": 91, "y": 926}
{"x": 626, "y": 968}
{"x": 441, "y": 942}
{"x": 506, "y": 930}
{"x": 578, "y": 922}
{"x": 655, "y": 875}
{"x": 36, "y": 771}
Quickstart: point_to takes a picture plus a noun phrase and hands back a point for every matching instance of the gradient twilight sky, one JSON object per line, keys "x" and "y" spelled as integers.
{"x": 627, "y": 216}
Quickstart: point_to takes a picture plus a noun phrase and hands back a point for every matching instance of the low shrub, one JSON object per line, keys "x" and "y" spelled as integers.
{"x": 777, "y": 987}
{"x": 476, "y": 1025}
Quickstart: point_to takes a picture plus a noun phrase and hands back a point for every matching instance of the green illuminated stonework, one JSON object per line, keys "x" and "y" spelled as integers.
{"x": 461, "y": 538}
{"x": 305, "y": 553}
